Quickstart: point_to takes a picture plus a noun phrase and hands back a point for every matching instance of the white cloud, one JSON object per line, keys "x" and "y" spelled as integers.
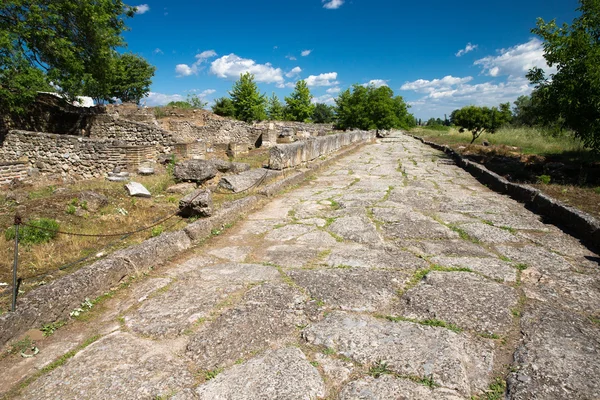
{"x": 425, "y": 86}
{"x": 291, "y": 58}
{"x": 157, "y": 51}
{"x": 185, "y": 70}
{"x": 205, "y": 55}
{"x": 294, "y": 72}
{"x": 470, "y": 47}
{"x": 516, "y": 60}
{"x": 334, "y": 90}
{"x": 442, "y": 98}
{"x": 325, "y": 99}
{"x": 159, "y": 99}
{"x": 376, "y": 83}
{"x": 327, "y": 79}
{"x": 305, "y": 53}
{"x": 332, "y": 4}
{"x": 232, "y": 66}
{"x": 203, "y": 93}
{"x": 142, "y": 9}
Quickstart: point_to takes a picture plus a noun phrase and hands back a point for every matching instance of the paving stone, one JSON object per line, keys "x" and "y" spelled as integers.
{"x": 268, "y": 314}
{"x": 417, "y": 226}
{"x": 337, "y": 371}
{"x": 357, "y": 255}
{"x": 536, "y": 256}
{"x": 289, "y": 256}
{"x": 513, "y": 220}
{"x": 453, "y": 360}
{"x": 388, "y": 387}
{"x": 559, "y": 357}
{"x": 259, "y": 227}
{"x": 119, "y": 365}
{"x": 317, "y": 240}
{"x": 288, "y": 232}
{"x": 357, "y": 229}
{"x": 489, "y": 234}
{"x": 283, "y": 374}
{"x": 454, "y": 218}
{"x": 275, "y": 209}
{"x": 461, "y": 298}
{"x": 353, "y": 289}
{"x": 173, "y": 311}
{"x": 232, "y": 253}
{"x": 450, "y": 248}
{"x": 490, "y": 267}
{"x": 320, "y": 222}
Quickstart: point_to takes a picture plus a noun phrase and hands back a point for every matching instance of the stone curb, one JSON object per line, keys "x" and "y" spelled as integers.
{"x": 580, "y": 224}
{"x": 57, "y": 299}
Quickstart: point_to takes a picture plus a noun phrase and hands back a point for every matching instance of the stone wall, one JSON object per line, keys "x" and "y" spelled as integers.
{"x": 112, "y": 127}
{"x": 71, "y": 156}
{"x": 12, "y": 170}
{"x": 291, "y": 155}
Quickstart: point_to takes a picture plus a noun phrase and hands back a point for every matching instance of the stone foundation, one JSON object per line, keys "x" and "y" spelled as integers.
{"x": 291, "y": 155}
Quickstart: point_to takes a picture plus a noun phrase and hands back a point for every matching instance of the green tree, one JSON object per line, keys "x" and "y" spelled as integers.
{"x": 573, "y": 92}
{"x": 481, "y": 119}
{"x": 372, "y": 108}
{"x": 72, "y": 44}
{"x": 275, "y": 109}
{"x": 298, "y": 104}
{"x": 323, "y": 114}
{"x": 132, "y": 77}
{"x": 223, "y": 107}
{"x": 248, "y": 103}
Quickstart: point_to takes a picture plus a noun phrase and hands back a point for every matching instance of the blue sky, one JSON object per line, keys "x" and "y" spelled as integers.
{"x": 439, "y": 55}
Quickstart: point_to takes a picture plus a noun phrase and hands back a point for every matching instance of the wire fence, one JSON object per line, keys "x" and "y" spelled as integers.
{"x": 18, "y": 222}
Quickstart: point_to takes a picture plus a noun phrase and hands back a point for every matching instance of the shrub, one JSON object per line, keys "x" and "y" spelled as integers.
{"x": 31, "y": 234}
{"x": 545, "y": 179}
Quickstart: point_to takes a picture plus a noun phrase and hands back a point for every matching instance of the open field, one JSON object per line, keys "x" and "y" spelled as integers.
{"x": 558, "y": 165}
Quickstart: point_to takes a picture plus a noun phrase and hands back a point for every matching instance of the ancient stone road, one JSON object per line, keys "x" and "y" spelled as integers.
{"x": 394, "y": 274}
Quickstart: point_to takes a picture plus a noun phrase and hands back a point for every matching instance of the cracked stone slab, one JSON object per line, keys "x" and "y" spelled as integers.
{"x": 512, "y": 220}
{"x": 259, "y": 227}
{"x": 288, "y": 232}
{"x": 353, "y": 289}
{"x": 356, "y": 228}
{"x": 337, "y": 371}
{"x": 461, "y": 298}
{"x": 232, "y": 253}
{"x": 448, "y": 248}
{"x": 172, "y": 311}
{"x": 320, "y": 222}
{"x": 289, "y": 256}
{"x": 417, "y": 226}
{"x": 275, "y": 209}
{"x": 490, "y": 267}
{"x": 559, "y": 357}
{"x": 357, "y": 255}
{"x": 490, "y": 234}
{"x": 536, "y": 256}
{"x": 318, "y": 240}
{"x": 388, "y": 387}
{"x": 283, "y": 374}
{"x": 456, "y": 361}
{"x": 268, "y": 315}
{"x": 118, "y": 365}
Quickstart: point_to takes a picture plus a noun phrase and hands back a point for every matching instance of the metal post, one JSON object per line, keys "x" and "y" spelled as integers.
{"x": 14, "y": 298}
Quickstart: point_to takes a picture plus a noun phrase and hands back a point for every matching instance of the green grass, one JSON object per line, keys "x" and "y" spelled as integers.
{"x": 379, "y": 369}
{"x": 529, "y": 140}
{"x": 33, "y": 235}
{"x": 428, "y": 322}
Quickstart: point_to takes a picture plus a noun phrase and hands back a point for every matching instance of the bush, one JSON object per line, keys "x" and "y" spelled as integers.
{"x": 32, "y": 235}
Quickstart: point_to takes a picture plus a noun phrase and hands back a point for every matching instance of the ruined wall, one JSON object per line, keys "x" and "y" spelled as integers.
{"x": 71, "y": 156}
{"x": 112, "y": 127}
{"x": 12, "y": 170}
{"x": 291, "y": 155}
